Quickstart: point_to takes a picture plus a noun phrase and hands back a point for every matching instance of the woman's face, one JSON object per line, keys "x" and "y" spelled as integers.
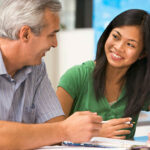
{"x": 124, "y": 46}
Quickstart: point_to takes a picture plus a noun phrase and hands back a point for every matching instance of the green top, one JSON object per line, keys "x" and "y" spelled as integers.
{"x": 77, "y": 81}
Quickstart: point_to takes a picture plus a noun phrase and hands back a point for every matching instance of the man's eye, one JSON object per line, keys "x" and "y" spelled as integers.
{"x": 51, "y": 35}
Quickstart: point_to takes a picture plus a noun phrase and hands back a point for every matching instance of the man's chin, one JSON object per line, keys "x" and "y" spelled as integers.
{"x": 37, "y": 63}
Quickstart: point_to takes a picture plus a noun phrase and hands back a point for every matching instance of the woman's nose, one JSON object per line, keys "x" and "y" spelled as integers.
{"x": 119, "y": 46}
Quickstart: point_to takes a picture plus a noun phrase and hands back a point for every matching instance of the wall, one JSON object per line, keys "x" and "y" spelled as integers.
{"x": 74, "y": 47}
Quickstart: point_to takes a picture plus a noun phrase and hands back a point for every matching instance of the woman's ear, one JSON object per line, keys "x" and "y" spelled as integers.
{"x": 24, "y": 33}
{"x": 142, "y": 55}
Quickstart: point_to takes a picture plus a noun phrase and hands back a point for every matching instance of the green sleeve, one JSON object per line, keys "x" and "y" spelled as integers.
{"x": 71, "y": 81}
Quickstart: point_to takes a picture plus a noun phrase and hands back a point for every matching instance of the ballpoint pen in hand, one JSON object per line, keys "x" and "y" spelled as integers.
{"x": 128, "y": 122}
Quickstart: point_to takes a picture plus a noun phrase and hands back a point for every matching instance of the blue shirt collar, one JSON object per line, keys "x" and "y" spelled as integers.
{"x": 24, "y": 70}
{"x": 2, "y": 65}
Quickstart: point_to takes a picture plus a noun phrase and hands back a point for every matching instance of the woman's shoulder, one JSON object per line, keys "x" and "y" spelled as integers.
{"x": 86, "y": 66}
{"x": 77, "y": 76}
{"x": 81, "y": 71}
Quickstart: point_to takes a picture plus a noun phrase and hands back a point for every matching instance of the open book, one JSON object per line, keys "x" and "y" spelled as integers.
{"x": 106, "y": 143}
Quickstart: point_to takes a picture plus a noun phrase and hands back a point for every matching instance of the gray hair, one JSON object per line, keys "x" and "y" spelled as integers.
{"x": 16, "y": 13}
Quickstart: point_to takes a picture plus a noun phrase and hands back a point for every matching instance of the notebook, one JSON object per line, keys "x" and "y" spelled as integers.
{"x": 106, "y": 143}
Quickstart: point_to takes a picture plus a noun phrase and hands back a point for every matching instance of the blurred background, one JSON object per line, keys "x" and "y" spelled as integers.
{"x": 82, "y": 22}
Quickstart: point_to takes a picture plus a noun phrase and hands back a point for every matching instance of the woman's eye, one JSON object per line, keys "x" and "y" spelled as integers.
{"x": 131, "y": 45}
{"x": 115, "y": 36}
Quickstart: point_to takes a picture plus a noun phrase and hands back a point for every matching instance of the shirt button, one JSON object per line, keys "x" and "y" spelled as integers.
{"x": 7, "y": 76}
{"x": 12, "y": 80}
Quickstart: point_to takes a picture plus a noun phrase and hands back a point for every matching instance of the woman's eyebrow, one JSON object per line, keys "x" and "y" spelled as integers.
{"x": 128, "y": 39}
{"x": 117, "y": 32}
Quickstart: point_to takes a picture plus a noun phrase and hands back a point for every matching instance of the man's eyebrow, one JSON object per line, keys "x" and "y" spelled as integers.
{"x": 55, "y": 31}
{"x": 128, "y": 39}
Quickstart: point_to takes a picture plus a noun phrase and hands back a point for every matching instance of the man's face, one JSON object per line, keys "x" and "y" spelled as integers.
{"x": 38, "y": 45}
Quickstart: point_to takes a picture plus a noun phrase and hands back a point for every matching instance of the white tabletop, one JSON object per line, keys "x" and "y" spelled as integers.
{"x": 100, "y": 142}
{"x": 78, "y": 148}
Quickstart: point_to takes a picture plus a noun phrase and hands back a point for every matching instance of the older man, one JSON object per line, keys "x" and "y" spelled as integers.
{"x": 28, "y": 104}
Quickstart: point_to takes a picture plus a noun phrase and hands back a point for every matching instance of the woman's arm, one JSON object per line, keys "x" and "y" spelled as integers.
{"x": 113, "y": 129}
{"x": 65, "y": 100}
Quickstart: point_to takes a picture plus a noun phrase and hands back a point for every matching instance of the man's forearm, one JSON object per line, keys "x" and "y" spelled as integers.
{"x": 79, "y": 127}
{"x": 29, "y": 136}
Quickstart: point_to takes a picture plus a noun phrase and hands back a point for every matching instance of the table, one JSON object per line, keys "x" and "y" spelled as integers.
{"x": 76, "y": 148}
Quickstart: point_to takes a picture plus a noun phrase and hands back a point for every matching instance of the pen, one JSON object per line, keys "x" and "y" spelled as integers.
{"x": 88, "y": 144}
{"x": 128, "y": 122}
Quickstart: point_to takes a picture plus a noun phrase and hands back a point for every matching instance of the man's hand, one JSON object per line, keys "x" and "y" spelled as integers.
{"x": 82, "y": 126}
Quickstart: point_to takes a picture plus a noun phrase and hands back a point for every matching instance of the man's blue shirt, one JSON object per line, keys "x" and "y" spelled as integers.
{"x": 28, "y": 97}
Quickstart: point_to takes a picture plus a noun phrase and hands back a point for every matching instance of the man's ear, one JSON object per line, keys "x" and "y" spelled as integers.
{"x": 24, "y": 33}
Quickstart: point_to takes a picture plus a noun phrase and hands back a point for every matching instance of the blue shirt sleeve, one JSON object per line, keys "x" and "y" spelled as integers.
{"x": 46, "y": 102}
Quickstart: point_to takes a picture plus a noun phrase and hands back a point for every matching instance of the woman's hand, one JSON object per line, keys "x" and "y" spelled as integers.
{"x": 115, "y": 128}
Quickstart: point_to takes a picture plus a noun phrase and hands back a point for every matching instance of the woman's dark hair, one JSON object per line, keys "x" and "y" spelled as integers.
{"x": 138, "y": 75}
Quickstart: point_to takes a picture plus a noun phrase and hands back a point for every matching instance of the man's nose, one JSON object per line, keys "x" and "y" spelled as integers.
{"x": 54, "y": 42}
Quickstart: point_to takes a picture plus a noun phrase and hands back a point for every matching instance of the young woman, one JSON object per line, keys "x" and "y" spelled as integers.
{"x": 117, "y": 84}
